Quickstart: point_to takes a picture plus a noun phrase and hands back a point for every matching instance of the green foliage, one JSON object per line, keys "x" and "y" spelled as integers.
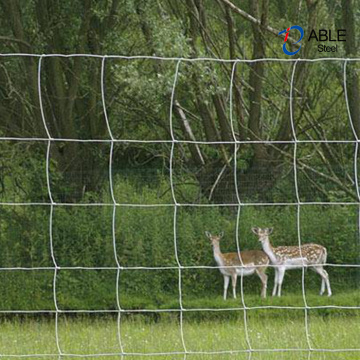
{"x": 144, "y": 237}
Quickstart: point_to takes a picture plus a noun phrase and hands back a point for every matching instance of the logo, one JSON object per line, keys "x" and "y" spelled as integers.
{"x": 300, "y": 29}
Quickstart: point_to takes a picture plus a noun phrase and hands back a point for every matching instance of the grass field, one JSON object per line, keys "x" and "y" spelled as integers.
{"x": 270, "y": 328}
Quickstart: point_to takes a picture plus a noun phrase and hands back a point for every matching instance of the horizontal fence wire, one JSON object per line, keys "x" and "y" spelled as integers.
{"x": 149, "y": 57}
{"x": 174, "y": 353}
{"x": 304, "y": 203}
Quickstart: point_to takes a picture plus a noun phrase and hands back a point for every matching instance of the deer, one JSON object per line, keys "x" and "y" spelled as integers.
{"x": 244, "y": 263}
{"x": 285, "y": 258}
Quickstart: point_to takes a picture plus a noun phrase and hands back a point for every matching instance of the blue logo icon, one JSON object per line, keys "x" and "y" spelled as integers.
{"x": 300, "y": 29}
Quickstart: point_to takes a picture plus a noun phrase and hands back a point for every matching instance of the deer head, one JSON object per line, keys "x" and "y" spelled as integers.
{"x": 263, "y": 234}
{"x": 214, "y": 239}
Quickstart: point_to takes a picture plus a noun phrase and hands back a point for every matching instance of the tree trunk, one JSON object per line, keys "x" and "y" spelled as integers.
{"x": 351, "y": 50}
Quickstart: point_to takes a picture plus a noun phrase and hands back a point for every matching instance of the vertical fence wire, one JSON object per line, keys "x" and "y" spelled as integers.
{"x": 113, "y": 221}
{"x": 173, "y": 141}
{"x": 356, "y": 151}
{"x": 298, "y": 208}
{"x": 52, "y": 203}
{"x": 237, "y": 230}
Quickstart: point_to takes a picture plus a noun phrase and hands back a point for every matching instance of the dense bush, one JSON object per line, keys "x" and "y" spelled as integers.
{"x": 82, "y": 237}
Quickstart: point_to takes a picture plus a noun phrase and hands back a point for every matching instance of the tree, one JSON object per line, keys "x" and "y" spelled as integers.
{"x": 138, "y": 93}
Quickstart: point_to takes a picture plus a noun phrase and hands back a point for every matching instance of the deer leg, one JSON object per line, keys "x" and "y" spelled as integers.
{"x": 263, "y": 277}
{"x": 226, "y": 284}
{"x": 275, "y": 282}
{"x": 327, "y": 281}
{"x": 324, "y": 279}
{"x": 323, "y": 282}
{"x": 322, "y": 290}
{"x": 320, "y": 272}
{"x": 281, "y": 273}
{"x": 233, "y": 281}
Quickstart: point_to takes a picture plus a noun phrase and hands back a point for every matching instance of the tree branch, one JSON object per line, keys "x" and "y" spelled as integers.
{"x": 252, "y": 19}
{"x": 194, "y": 148}
{"x": 19, "y": 41}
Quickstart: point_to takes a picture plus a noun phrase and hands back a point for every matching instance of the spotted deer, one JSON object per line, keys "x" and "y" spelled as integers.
{"x": 251, "y": 262}
{"x": 291, "y": 257}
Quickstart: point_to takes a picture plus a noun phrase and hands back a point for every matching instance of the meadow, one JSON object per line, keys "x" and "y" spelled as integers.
{"x": 220, "y": 330}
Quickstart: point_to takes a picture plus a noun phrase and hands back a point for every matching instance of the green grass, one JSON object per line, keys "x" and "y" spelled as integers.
{"x": 344, "y": 298}
{"x": 204, "y": 331}
{"x": 220, "y": 330}
{"x": 341, "y": 299}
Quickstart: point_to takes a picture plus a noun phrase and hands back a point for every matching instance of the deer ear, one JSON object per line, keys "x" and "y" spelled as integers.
{"x": 221, "y": 234}
{"x": 207, "y": 234}
{"x": 270, "y": 230}
{"x": 255, "y": 230}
